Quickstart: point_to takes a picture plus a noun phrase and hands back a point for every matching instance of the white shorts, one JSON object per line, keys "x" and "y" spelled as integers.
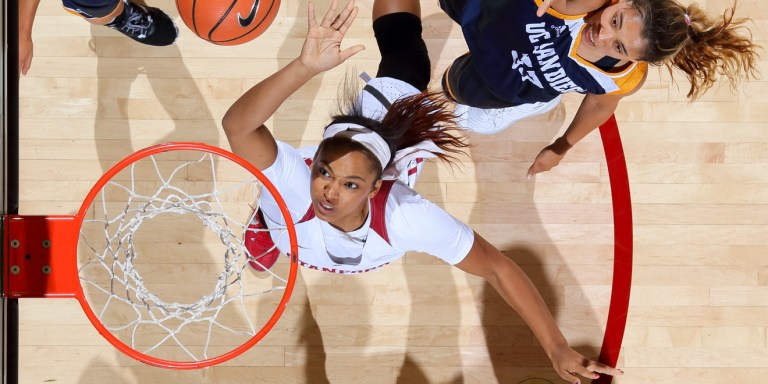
{"x": 493, "y": 120}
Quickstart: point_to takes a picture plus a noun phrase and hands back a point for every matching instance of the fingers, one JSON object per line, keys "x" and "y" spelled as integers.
{"x": 537, "y": 167}
{"x": 322, "y": 48}
{"x": 532, "y": 171}
{"x": 596, "y": 367}
{"x": 330, "y": 15}
{"x": 24, "y": 66}
{"x": 311, "y": 19}
{"x": 571, "y": 366}
{"x": 349, "y": 52}
{"x": 26, "y": 49}
{"x": 342, "y": 22}
{"x": 543, "y": 8}
{"x": 570, "y": 377}
{"x": 583, "y": 371}
{"x": 591, "y": 371}
{"x": 545, "y": 160}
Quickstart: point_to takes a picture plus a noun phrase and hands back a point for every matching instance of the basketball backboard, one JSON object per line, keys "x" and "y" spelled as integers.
{"x": 9, "y": 176}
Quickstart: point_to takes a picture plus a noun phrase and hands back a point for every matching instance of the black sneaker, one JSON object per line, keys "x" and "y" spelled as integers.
{"x": 147, "y": 25}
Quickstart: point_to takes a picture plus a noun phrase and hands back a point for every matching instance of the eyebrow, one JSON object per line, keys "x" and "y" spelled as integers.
{"x": 327, "y": 165}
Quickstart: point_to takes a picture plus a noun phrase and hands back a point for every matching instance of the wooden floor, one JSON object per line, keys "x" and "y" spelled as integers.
{"x": 699, "y": 188}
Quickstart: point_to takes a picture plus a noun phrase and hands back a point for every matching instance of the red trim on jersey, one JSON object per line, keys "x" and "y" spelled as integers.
{"x": 378, "y": 206}
{"x": 415, "y": 169}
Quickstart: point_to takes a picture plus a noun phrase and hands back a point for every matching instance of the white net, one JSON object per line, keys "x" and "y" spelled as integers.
{"x": 162, "y": 259}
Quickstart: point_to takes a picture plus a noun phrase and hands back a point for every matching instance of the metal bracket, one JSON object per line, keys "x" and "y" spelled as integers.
{"x": 41, "y": 256}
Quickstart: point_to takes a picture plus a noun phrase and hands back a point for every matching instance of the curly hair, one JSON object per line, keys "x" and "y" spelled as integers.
{"x": 702, "y": 47}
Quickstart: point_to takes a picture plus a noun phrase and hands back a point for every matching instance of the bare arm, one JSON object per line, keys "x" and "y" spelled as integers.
{"x": 571, "y": 7}
{"x": 593, "y": 111}
{"x": 27, "y": 12}
{"x": 518, "y": 291}
{"x": 244, "y": 121}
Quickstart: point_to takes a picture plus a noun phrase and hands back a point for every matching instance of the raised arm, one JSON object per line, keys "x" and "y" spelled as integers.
{"x": 244, "y": 121}
{"x": 27, "y": 11}
{"x": 518, "y": 291}
{"x": 571, "y": 7}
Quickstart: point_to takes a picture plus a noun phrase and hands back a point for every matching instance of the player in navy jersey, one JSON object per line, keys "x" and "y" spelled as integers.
{"x": 351, "y": 216}
{"x": 147, "y": 25}
{"x": 524, "y": 54}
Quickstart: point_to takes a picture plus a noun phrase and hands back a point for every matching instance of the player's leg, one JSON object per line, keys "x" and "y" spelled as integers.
{"x": 404, "y": 56}
{"x": 477, "y": 108}
{"x": 385, "y": 7}
{"x": 397, "y": 27}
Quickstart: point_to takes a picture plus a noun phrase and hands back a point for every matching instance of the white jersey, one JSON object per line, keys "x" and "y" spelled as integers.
{"x": 412, "y": 222}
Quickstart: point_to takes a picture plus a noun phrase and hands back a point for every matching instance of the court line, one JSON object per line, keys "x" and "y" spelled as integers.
{"x": 622, "y": 246}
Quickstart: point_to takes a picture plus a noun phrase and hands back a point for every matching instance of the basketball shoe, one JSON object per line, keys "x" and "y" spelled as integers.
{"x": 259, "y": 244}
{"x": 493, "y": 120}
{"x": 147, "y": 25}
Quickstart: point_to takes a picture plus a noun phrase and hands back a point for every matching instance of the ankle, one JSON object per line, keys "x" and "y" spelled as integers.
{"x": 113, "y": 17}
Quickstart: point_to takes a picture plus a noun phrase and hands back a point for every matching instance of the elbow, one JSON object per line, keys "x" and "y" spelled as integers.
{"x": 229, "y": 124}
{"x": 606, "y": 104}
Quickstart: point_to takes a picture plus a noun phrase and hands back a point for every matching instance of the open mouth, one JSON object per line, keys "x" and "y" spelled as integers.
{"x": 324, "y": 208}
{"x": 589, "y": 35}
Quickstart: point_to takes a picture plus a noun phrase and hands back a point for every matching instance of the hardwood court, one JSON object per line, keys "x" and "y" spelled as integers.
{"x": 699, "y": 188}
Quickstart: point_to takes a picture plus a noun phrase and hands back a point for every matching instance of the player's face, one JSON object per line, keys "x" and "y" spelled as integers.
{"x": 616, "y": 31}
{"x": 342, "y": 182}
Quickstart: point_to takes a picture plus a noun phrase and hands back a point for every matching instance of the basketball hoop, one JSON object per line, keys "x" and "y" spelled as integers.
{"x": 142, "y": 257}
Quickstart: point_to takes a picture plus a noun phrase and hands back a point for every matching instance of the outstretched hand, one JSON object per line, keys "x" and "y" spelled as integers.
{"x": 322, "y": 48}
{"x": 570, "y": 364}
{"x": 545, "y": 160}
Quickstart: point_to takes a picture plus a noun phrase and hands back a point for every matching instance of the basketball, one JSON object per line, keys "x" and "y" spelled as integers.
{"x": 228, "y": 22}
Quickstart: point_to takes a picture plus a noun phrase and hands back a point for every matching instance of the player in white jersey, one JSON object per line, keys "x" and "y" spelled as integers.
{"x": 523, "y": 54}
{"x": 336, "y": 196}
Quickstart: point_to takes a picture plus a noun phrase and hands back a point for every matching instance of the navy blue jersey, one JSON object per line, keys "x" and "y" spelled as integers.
{"x": 522, "y": 58}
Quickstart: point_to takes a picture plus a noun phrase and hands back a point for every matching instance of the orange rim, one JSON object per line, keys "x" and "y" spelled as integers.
{"x": 178, "y": 146}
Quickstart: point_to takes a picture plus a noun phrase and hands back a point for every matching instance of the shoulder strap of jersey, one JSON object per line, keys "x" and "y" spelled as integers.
{"x": 378, "y": 208}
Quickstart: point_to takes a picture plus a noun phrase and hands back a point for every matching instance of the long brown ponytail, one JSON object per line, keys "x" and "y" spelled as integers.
{"x": 703, "y": 48}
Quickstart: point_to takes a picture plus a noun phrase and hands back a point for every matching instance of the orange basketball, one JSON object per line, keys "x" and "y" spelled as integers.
{"x": 228, "y": 22}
